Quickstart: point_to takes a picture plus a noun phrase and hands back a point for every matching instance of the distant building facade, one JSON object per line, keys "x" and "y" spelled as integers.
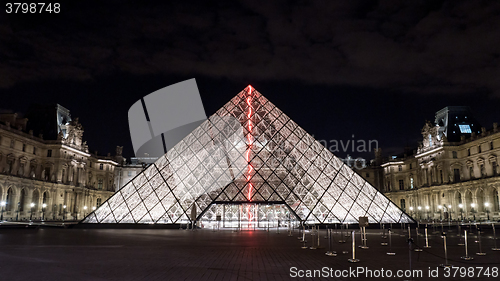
{"x": 453, "y": 174}
{"x": 46, "y": 170}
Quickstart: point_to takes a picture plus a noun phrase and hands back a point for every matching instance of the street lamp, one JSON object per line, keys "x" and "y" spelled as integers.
{"x": 486, "y": 205}
{"x": 43, "y": 211}
{"x": 93, "y": 208}
{"x": 31, "y": 214}
{"x": 427, "y": 210}
{"x": 440, "y": 212}
{"x": 84, "y": 211}
{"x": 64, "y": 212}
{"x": 472, "y": 205}
{"x": 3, "y": 207}
{"x": 461, "y": 211}
{"x": 419, "y": 213}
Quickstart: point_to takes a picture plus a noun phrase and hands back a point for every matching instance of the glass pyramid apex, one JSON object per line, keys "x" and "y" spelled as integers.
{"x": 248, "y": 152}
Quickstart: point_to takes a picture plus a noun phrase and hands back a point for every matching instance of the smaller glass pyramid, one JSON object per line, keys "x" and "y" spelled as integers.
{"x": 248, "y": 152}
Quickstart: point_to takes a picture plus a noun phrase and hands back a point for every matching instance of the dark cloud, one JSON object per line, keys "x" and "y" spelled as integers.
{"x": 413, "y": 46}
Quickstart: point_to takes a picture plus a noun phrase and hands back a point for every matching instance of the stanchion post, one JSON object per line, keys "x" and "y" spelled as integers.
{"x": 363, "y": 238}
{"x": 353, "y": 259}
{"x": 417, "y": 249}
{"x": 390, "y": 253}
{"x": 313, "y": 230}
{"x": 445, "y": 252}
{"x": 426, "y": 239}
{"x": 466, "y": 257}
{"x": 304, "y": 237}
{"x": 342, "y": 239}
{"x": 480, "y": 253}
{"x": 494, "y": 238}
{"x": 330, "y": 252}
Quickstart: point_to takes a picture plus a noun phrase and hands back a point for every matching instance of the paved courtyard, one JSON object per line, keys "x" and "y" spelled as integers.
{"x": 172, "y": 254}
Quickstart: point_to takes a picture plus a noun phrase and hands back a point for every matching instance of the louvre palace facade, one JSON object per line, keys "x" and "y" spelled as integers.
{"x": 46, "y": 170}
{"x": 453, "y": 174}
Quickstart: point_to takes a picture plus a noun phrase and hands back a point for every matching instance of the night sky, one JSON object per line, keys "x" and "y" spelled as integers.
{"x": 373, "y": 69}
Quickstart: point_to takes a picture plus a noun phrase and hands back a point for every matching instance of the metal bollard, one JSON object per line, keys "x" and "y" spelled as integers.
{"x": 426, "y": 239}
{"x": 466, "y": 257}
{"x": 445, "y": 252}
{"x": 390, "y": 253}
{"x": 353, "y": 259}
{"x": 480, "y": 253}
{"x": 494, "y": 238}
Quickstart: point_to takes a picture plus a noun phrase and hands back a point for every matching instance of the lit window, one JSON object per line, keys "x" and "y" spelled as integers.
{"x": 465, "y": 129}
{"x": 411, "y": 182}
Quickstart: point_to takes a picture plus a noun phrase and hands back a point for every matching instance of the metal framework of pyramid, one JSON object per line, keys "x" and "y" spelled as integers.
{"x": 249, "y": 151}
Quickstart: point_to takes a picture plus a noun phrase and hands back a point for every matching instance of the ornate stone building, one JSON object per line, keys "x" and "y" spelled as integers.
{"x": 46, "y": 170}
{"x": 454, "y": 172}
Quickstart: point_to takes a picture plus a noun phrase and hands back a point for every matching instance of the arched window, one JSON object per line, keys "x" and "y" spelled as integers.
{"x": 22, "y": 200}
{"x": 45, "y": 197}
{"x": 495, "y": 201}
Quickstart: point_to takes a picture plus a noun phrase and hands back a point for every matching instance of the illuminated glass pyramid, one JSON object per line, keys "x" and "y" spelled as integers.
{"x": 247, "y": 152}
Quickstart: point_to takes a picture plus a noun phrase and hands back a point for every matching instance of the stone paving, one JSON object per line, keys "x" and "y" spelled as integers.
{"x": 172, "y": 254}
